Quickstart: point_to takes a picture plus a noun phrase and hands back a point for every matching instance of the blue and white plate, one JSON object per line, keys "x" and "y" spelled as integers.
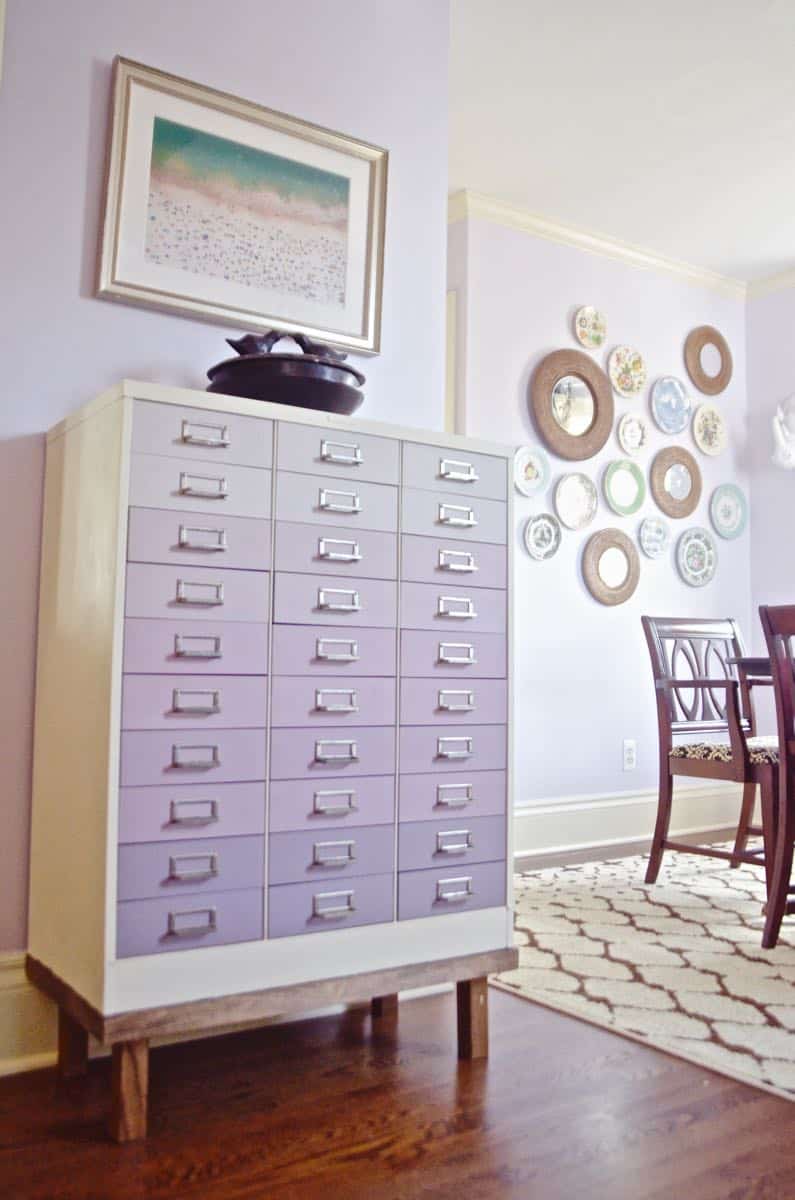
{"x": 728, "y": 510}
{"x": 654, "y": 536}
{"x": 670, "y": 404}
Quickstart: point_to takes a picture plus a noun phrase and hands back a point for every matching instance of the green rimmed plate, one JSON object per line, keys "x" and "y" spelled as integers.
{"x": 624, "y": 487}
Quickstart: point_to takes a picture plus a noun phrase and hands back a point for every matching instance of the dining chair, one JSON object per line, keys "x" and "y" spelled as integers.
{"x": 702, "y": 695}
{"x": 778, "y": 624}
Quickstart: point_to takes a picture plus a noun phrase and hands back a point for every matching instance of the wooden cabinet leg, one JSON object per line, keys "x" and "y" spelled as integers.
{"x": 384, "y": 1008}
{"x": 473, "y": 1018}
{"x": 72, "y": 1047}
{"x": 130, "y": 1090}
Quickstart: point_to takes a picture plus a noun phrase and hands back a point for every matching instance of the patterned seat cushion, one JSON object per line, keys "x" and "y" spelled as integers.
{"x": 762, "y": 750}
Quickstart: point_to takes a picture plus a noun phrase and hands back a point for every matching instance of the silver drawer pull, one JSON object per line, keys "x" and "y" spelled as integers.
{"x": 190, "y": 645}
{"x": 456, "y": 514}
{"x": 449, "y": 795}
{"x": 200, "y": 758}
{"x": 333, "y": 854}
{"x": 447, "y": 653}
{"x": 215, "y": 436}
{"x": 350, "y": 552}
{"x": 174, "y": 929}
{"x": 461, "y": 607}
{"x": 217, "y": 538}
{"x": 451, "y": 701}
{"x": 348, "y": 705}
{"x": 333, "y": 911}
{"x": 325, "y": 600}
{"x": 345, "y": 454}
{"x": 454, "y": 890}
{"x": 324, "y": 755}
{"x": 323, "y": 803}
{"x": 207, "y": 868}
{"x": 218, "y": 491}
{"x": 210, "y": 595}
{"x": 462, "y": 472}
{"x": 202, "y": 812}
{"x": 454, "y": 747}
{"x": 351, "y": 654}
{"x": 182, "y": 702}
{"x": 345, "y": 502}
{"x": 457, "y": 560}
{"x": 464, "y": 842}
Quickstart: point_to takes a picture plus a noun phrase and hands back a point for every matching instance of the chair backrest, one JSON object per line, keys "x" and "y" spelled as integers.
{"x": 778, "y": 623}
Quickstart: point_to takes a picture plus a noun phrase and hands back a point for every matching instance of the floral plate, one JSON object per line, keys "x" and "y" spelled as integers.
{"x": 654, "y": 536}
{"x": 590, "y": 327}
{"x": 670, "y": 404}
{"x": 576, "y": 500}
{"x": 530, "y": 470}
{"x": 632, "y": 433}
{"x": 696, "y": 556}
{"x": 542, "y": 536}
{"x": 728, "y": 510}
{"x": 627, "y": 371}
{"x": 709, "y": 429}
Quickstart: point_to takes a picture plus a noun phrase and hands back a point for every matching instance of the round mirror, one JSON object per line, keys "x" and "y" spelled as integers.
{"x": 678, "y": 482}
{"x": 573, "y": 405}
{"x": 710, "y": 359}
{"x": 610, "y": 566}
{"x": 675, "y": 481}
{"x": 613, "y": 567}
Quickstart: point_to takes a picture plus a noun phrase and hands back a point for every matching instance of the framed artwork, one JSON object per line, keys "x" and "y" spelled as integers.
{"x": 220, "y": 209}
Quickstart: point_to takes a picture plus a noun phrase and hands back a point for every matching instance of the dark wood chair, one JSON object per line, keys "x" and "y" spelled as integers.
{"x": 778, "y": 624}
{"x": 701, "y": 696}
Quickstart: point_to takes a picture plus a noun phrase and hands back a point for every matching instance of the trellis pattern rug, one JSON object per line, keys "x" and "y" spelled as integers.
{"x": 677, "y": 964}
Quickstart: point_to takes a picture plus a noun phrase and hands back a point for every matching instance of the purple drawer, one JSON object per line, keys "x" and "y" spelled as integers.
{"x": 331, "y": 803}
{"x": 295, "y": 908}
{"x": 197, "y": 432}
{"x": 345, "y": 503}
{"x": 454, "y": 469}
{"x": 449, "y": 562}
{"x": 452, "y": 607}
{"x": 193, "y": 486}
{"x": 304, "y": 600}
{"x": 463, "y": 794}
{"x": 194, "y": 701}
{"x": 333, "y": 701}
{"x": 158, "y": 535}
{"x": 480, "y": 702}
{"x": 452, "y": 748}
{"x": 197, "y": 593}
{"x": 330, "y": 853}
{"x": 152, "y": 814}
{"x": 190, "y": 867}
{"x": 335, "y": 551}
{"x": 462, "y": 656}
{"x": 438, "y": 893}
{"x": 336, "y": 751}
{"x": 212, "y": 647}
{"x": 450, "y": 844}
{"x": 192, "y": 756}
{"x": 341, "y": 453}
{"x": 302, "y": 650}
{"x": 468, "y": 518}
{"x": 188, "y": 922}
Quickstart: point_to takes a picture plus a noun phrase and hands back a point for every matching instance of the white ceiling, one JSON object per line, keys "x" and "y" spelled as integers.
{"x": 669, "y": 126}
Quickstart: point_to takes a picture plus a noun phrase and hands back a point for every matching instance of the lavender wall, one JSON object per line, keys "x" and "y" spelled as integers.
{"x": 371, "y": 68}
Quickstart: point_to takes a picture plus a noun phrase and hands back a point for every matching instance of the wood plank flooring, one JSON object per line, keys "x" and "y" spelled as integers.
{"x": 340, "y": 1109}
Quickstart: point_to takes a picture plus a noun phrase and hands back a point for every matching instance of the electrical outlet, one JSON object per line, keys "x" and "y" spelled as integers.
{"x": 630, "y": 754}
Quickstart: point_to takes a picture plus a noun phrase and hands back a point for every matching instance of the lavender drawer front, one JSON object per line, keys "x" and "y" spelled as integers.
{"x": 331, "y": 803}
{"x": 330, "y": 854}
{"x": 470, "y": 519}
{"x": 461, "y": 656}
{"x": 449, "y": 562}
{"x": 299, "y": 753}
{"x": 190, "y": 867}
{"x": 212, "y": 647}
{"x": 349, "y": 504}
{"x": 335, "y": 551}
{"x": 452, "y": 748}
{"x": 143, "y": 925}
{"x": 302, "y": 650}
{"x": 307, "y": 701}
{"x": 452, "y": 608}
{"x": 192, "y": 756}
{"x": 293, "y": 907}
{"x": 301, "y": 599}
{"x": 158, "y": 535}
{"x": 188, "y": 485}
{"x": 340, "y": 453}
{"x": 153, "y": 814}
{"x": 460, "y": 794}
{"x": 481, "y": 702}
{"x": 200, "y": 433}
{"x": 454, "y": 470}
{"x": 154, "y": 591}
{"x": 436, "y": 843}
{"x": 420, "y": 893}
{"x": 194, "y": 702}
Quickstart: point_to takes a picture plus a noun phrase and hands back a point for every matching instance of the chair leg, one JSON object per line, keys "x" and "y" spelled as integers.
{"x": 778, "y": 892}
{"x": 768, "y": 794}
{"x": 746, "y": 819}
{"x": 663, "y": 820}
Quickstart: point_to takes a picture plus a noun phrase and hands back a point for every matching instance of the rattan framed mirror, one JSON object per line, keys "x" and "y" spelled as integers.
{"x": 675, "y": 480}
{"x": 610, "y": 566}
{"x": 572, "y": 403}
{"x": 696, "y": 341}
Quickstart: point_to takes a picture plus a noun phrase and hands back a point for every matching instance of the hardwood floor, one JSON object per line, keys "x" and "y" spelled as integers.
{"x": 340, "y": 1108}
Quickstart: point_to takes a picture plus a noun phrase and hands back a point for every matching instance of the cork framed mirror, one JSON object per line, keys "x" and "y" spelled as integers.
{"x": 675, "y": 481}
{"x": 572, "y": 403}
{"x": 610, "y": 566}
{"x": 708, "y": 359}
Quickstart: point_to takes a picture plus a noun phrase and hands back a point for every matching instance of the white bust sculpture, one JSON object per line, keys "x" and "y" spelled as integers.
{"x": 784, "y": 434}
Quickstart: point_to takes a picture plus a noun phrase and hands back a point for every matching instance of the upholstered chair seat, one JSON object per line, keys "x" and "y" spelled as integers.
{"x": 762, "y": 749}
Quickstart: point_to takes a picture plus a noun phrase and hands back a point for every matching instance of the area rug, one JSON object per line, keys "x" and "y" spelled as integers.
{"x": 677, "y": 964}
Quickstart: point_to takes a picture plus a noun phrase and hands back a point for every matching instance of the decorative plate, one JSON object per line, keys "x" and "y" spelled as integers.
{"x": 654, "y": 536}
{"x": 542, "y": 536}
{"x": 576, "y": 500}
{"x": 530, "y": 470}
{"x": 696, "y": 556}
{"x": 709, "y": 429}
{"x": 590, "y": 327}
{"x": 632, "y": 433}
{"x": 670, "y": 404}
{"x": 627, "y": 371}
{"x": 728, "y": 510}
{"x": 625, "y": 487}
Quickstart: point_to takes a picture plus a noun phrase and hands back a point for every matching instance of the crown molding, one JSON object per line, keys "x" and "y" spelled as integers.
{"x": 773, "y": 283}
